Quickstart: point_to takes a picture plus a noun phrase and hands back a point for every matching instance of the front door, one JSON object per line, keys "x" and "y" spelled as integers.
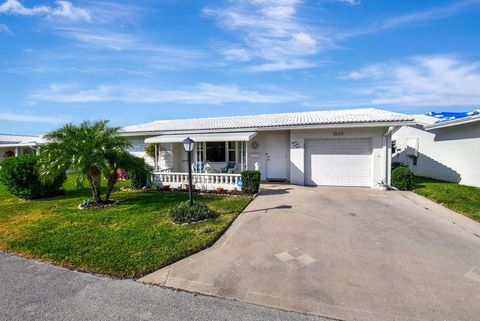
{"x": 276, "y": 157}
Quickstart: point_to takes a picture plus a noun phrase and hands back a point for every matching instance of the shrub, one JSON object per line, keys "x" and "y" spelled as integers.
{"x": 138, "y": 171}
{"x": 250, "y": 181}
{"x": 20, "y": 176}
{"x": 184, "y": 213}
{"x": 402, "y": 178}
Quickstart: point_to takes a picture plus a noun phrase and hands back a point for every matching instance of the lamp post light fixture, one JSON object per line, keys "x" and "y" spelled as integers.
{"x": 188, "y": 144}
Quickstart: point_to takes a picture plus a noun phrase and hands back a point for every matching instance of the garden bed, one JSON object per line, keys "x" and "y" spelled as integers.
{"x": 87, "y": 204}
{"x": 217, "y": 192}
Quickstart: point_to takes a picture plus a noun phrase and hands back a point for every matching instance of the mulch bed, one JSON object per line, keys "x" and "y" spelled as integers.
{"x": 88, "y": 205}
{"x": 173, "y": 190}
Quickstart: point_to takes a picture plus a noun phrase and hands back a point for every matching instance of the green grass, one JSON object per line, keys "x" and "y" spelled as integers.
{"x": 128, "y": 240}
{"x": 460, "y": 198}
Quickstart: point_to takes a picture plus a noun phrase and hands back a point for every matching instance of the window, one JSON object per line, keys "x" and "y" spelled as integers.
{"x": 216, "y": 152}
{"x": 232, "y": 151}
{"x": 200, "y": 149}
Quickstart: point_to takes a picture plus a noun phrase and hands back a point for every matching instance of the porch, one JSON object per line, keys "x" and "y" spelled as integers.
{"x": 217, "y": 160}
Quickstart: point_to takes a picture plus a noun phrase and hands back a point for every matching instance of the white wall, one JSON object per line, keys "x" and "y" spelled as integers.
{"x": 259, "y": 155}
{"x": 450, "y": 153}
{"x": 379, "y": 144}
{"x": 294, "y": 146}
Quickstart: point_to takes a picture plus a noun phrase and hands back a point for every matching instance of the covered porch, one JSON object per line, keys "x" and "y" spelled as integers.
{"x": 217, "y": 160}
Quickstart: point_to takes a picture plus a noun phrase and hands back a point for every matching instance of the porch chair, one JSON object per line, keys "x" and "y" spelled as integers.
{"x": 229, "y": 168}
{"x": 198, "y": 167}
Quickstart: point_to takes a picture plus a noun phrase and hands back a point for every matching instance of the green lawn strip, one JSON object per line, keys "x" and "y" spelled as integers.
{"x": 128, "y": 240}
{"x": 460, "y": 198}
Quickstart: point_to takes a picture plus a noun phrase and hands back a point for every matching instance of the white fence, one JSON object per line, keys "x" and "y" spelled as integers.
{"x": 202, "y": 181}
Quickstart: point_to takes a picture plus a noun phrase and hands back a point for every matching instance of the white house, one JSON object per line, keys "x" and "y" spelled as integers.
{"x": 340, "y": 148}
{"x": 446, "y": 150}
{"x": 14, "y": 145}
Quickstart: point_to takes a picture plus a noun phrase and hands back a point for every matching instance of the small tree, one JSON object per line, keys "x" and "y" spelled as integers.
{"x": 136, "y": 168}
{"x": 85, "y": 149}
{"x": 150, "y": 150}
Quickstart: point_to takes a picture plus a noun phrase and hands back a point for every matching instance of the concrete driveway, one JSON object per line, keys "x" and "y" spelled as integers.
{"x": 345, "y": 253}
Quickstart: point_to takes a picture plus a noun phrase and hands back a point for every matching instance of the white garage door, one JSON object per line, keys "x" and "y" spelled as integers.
{"x": 340, "y": 162}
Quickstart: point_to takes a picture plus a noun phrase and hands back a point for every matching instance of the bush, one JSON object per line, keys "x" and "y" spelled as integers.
{"x": 138, "y": 171}
{"x": 184, "y": 213}
{"x": 20, "y": 176}
{"x": 402, "y": 178}
{"x": 250, "y": 181}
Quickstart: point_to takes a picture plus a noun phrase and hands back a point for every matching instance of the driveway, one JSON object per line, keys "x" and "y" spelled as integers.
{"x": 345, "y": 253}
{"x": 30, "y": 290}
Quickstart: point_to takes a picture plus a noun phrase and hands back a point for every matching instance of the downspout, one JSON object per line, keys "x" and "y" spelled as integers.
{"x": 388, "y": 153}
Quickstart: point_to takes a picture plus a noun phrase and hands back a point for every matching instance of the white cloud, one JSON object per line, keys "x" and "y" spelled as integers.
{"x": 204, "y": 93}
{"x": 64, "y": 9}
{"x": 282, "y": 65}
{"x": 269, "y": 33}
{"x": 350, "y": 2}
{"x": 429, "y": 14}
{"x": 5, "y": 29}
{"x": 422, "y": 81}
{"x": 67, "y": 10}
{"x": 31, "y": 118}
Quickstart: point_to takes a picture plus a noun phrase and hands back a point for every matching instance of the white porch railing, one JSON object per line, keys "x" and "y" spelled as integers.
{"x": 202, "y": 181}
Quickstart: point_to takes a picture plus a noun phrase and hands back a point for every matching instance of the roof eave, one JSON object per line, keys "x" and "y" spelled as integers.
{"x": 284, "y": 127}
{"x": 451, "y": 123}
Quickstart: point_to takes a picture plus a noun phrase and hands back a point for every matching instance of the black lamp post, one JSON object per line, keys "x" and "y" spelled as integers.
{"x": 188, "y": 145}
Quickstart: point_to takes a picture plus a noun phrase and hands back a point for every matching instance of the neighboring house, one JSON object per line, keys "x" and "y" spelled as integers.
{"x": 339, "y": 148}
{"x": 442, "y": 149}
{"x": 14, "y": 145}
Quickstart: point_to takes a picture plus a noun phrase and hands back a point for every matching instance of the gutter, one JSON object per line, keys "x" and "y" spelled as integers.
{"x": 455, "y": 122}
{"x": 271, "y": 128}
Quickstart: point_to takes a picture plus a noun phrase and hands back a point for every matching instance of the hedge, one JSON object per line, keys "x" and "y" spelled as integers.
{"x": 250, "y": 181}
{"x": 20, "y": 176}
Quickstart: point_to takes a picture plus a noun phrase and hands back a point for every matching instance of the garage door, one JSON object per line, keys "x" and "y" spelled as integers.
{"x": 338, "y": 162}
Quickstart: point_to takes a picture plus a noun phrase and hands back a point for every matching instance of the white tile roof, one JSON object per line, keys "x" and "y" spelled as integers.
{"x": 425, "y": 120}
{"x": 330, "y": 117}
{"x": 6, "y": 138}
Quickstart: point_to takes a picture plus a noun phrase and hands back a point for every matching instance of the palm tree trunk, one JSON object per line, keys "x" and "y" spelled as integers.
{"x": 94, "y": 178}
{"x": 111, "y": 180}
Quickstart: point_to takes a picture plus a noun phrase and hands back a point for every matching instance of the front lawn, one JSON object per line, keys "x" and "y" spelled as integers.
{"x": 128, "y": 240}
{"x": 460, "y": 198}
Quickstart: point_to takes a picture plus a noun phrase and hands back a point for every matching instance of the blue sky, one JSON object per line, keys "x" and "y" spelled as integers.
{"x": 139, "y": 61}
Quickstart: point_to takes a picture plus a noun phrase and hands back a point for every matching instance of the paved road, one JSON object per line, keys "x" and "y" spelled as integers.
{"x": 31, "y": 290}
{"x": 344, "y": 253}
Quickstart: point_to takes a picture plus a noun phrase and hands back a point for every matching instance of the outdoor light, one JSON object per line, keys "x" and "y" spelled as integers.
{"x": 188, "y": 145}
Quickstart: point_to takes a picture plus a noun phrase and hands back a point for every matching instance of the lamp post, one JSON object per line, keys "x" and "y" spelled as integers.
{"x": 188, "y": 145}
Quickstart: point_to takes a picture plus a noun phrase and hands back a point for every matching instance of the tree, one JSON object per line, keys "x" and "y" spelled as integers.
{"x": 87, "y": 150}
{"x": 136, "y": 168}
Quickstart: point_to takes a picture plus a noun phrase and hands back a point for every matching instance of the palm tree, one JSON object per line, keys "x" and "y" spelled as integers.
{"x": 85, "y": 149}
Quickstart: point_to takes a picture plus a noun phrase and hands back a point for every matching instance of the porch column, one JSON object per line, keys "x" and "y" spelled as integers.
{"x": 155, "y": 159}
{"x": 16, "y": 151}
{"x": 241, "y": 156}
{"x": 37, "y": 150}
{"x": 246, "y": 155}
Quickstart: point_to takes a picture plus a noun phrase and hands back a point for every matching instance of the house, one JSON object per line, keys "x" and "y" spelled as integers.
{"x": 338, "y": 147}
{"x": 14, "y": 145}
{"x": 447, "y": 148}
